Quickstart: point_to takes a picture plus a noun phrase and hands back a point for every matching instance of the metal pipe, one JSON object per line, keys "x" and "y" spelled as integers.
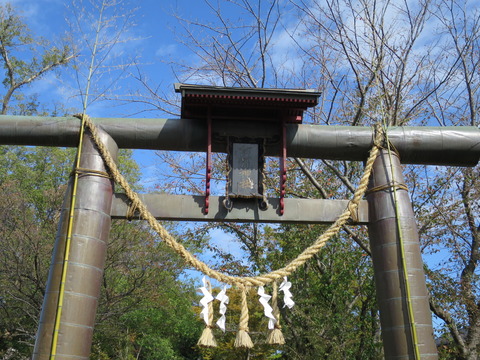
{"x": 385, "y": 244}
{"x": 91, "y": 227}
{"x": 459, "y": 146}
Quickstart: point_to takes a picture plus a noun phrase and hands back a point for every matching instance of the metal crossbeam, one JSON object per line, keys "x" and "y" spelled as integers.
{"x": 455, "y": 145}
{"x": 189, "y": 208}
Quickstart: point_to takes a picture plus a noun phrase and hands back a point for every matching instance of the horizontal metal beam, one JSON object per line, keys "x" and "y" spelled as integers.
{"x": 190, "y": 208}
{"x": 458, "y": 146}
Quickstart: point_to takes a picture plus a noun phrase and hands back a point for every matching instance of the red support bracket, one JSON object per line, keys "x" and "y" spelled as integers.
{"x": 283, "y": 167}
{"x": 208, "y": 163}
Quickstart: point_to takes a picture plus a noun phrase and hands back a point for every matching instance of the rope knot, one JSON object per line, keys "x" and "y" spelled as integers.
{"x": 353, "y": 208}
{"x": 132, "y": 209}
{"x": 379, "y": 136}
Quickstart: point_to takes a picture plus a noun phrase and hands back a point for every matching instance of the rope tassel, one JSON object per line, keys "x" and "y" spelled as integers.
{"x": 207, "y": 339}
{"x": 243, "y": 339}
{"x": 275, "y": 337}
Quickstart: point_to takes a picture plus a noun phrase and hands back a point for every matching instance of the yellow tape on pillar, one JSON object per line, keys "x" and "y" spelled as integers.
{"x": 411, "y": 315}
{"x": 68, "y": 241}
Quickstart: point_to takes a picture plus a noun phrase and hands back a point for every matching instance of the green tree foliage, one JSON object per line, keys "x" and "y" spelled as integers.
{"x": 335, "y": 314}
{"x": 142, "y": 305}
{"x": 32, "y": 183}
{"x": 159, "y": 325}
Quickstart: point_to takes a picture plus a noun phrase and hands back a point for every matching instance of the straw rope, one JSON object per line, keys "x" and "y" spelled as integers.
{"x": 82, "y": 172}
{"x": 204, "y": 268}
{"x": 243, "y": 339}
{"x": 275, "y": 336}
{"x": 208, "y": 339}
{"x": 388, "y": 186}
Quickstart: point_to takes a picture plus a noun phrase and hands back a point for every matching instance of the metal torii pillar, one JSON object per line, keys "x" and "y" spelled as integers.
{"x": 386, "y": 241}
{"x": 91, "y": 227}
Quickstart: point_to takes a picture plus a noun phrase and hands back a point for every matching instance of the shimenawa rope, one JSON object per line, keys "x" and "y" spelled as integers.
{"x": 204, "y": 268}
{"x": 243, "y": 339}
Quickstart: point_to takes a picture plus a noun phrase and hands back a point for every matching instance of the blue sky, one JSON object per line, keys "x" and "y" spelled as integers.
{"x": 152, "y": 41}
{"x": 153, "y": 44}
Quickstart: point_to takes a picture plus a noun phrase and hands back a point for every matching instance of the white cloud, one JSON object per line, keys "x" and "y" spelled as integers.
{"x": 166, "y": 50}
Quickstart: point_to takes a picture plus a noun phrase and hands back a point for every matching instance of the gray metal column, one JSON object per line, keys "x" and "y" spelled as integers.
{"x": 387, "y": 263}
{"x": 91, "y": 227}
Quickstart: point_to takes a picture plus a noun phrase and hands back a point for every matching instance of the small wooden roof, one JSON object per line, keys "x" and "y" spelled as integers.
{"x": 245, "y": 104}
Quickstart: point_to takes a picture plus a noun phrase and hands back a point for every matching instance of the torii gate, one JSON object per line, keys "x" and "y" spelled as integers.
{"x": 96, "y": 204}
